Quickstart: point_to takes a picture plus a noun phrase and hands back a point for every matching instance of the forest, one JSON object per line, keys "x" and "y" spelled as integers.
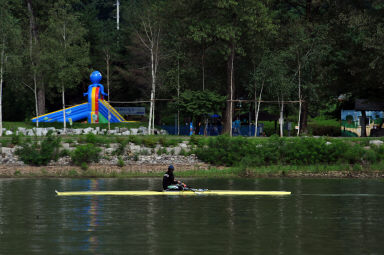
{"x": 192, "y": 58}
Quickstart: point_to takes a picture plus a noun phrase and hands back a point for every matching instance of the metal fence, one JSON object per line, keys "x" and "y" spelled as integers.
{"x": 214, "y": 130}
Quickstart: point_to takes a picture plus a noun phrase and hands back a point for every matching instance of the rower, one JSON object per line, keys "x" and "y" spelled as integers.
{"x": 169, "y": 182}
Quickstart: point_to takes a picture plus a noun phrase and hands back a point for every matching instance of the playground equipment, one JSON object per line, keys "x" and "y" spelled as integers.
{"x": 97, "y": 110}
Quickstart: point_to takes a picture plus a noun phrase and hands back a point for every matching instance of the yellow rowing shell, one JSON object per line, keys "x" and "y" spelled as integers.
{"x": 174, "y": 193}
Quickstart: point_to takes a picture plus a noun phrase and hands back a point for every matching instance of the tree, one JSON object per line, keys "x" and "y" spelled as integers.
{"x": 199, "y": 104}
{"x": 65, "y": 49}
{"x": 227, "y": 22}
{"x": 10, "y": 40}
{"x": 147, "y": 28}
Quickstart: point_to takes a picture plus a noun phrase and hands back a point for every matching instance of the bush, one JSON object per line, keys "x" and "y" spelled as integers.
{"x": 120, "y": 162}
{"x": 150, "y": 141}
{"x": 15, "y": 139}
{"x": 85, "y": 154}
{"x": 93, "y": 139}
{"x": 320, "y": 130}
{"x": 238, "y": 151}
{"x": 39, "y": 153}
{"x": 121, "y": 148}
{"x": 169, "y": 142}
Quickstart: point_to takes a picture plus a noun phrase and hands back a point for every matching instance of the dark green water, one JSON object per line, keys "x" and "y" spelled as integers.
{"x": 323, "y": 216}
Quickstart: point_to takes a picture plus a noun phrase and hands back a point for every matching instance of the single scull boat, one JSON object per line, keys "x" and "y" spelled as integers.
{"x": 173, "y": 193}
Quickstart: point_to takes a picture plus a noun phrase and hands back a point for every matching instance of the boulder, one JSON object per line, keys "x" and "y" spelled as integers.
{"x": 376, "y": 142}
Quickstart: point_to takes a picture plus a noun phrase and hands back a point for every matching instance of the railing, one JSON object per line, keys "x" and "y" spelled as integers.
{"x": 214, "y": 130}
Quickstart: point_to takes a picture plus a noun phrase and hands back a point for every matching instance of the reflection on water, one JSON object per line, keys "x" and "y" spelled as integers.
{"x": 92, "y": 213}
{"x": 323, "y": 216}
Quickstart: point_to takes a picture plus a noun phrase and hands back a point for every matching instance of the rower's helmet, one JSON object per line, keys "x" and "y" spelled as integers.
{"x": 171, "y": 168}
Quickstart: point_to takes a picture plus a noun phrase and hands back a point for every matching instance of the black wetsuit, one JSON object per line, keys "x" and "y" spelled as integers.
{"x": 168, "y": 179}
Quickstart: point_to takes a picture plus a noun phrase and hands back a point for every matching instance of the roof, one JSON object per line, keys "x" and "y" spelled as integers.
{"x": 368, "y": 105}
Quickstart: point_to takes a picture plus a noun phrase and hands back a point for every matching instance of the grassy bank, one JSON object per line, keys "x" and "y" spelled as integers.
{"x": 322, "y": 170}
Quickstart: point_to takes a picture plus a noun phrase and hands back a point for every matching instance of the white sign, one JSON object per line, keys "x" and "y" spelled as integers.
{"x": 131, "y": 110}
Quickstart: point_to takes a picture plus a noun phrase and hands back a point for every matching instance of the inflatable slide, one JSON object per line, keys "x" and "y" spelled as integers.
{"x": 96, "y": 110}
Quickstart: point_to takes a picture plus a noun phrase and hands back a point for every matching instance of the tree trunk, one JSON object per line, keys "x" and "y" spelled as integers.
{"x": 308, "y": 7}
{"x": 39, "y": 91}
{"x": 151, "y": 110}
{"x": 41, "y": 99}
{"x": 304, "y": 118}
{"x": 203, "y": 67}
{"x": 64, "y": 118}
{"x": 363, "y": 124}
{"x": 298, "y": 125}
{"x": 36, "y": 101}
{"x": 178, "y": 96}
{"x": 230, "y": 92}
{"x": 281, "y": 119}
{"x": 2, "y": 62}
{"x": 258, "y": 108}
{"x": 107, "y": 62}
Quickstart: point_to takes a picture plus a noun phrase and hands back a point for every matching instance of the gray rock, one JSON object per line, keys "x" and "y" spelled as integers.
{"x": 8, "y": 132}
{"x": 177, "y": 150}
{"x": 114, "y": 145}
{"x": 183, "y": 145}
{"x": 134, "y": 131}
{"x": 7, "y": 151}
{"x": 328, "y": 143}
{"x": 376, "y": 142}
{"x": 77, "y": 131}
{"x": 109, "y": 151}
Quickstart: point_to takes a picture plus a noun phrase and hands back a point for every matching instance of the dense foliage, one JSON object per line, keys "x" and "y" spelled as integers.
{"x": 84, "y": 154}
{"x": 231, "y": 48}
{"x": 225, "y": 150}
{"x": 38, "y": 153}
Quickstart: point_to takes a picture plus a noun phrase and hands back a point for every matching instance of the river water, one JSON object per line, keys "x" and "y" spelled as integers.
{"x": 322, "y": 216}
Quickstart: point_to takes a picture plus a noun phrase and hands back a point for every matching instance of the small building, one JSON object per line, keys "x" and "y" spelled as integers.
{"x": 352, "y": 120}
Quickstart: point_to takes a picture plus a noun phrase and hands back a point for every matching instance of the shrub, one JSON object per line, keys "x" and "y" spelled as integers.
{"x": 238, "y": 151}
{"x": 150, "y": 141}
{"x": 93, "y": 139}
{"x": 64, "y": 153}
{"x": 169, "y": 142}
{"x": 15, "y": 139}
{"x": 84, "y": 166}
{"x": 85, "y": 154}
{"x": 135, "y": 139}
{"x": 120, "y": 162}
{"x": 121, "y": 148}
{"x": 195, "y": 139}
{"x": 39, "y": 153}
{"x": 321, "y": 130}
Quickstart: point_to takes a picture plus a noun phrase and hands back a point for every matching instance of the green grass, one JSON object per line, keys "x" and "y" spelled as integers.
{"x": 232, "y": 172}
